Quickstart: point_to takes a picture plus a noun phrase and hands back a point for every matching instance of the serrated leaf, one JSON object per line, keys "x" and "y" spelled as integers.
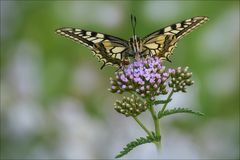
{"x": 162, "y": 101}
{"x": 178, "y": 110}
{"x": 137, "y": 142}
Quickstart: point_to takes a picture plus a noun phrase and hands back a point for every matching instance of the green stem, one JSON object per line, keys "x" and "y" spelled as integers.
{"x": 156, "y": 124}
{"x": 141, "y": 124}
{"x": 168, "y": 98}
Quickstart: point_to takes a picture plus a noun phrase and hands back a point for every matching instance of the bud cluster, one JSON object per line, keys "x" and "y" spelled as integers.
{"x": 130, "y": 106}
{"x": 180, "y": 78}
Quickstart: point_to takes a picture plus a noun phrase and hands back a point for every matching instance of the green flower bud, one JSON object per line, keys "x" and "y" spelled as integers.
{"x": 180, "y": 78}
{"x": 130, "y": 106}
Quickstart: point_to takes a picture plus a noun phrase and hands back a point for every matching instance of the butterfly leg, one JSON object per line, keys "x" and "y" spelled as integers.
{"x": 168, "y": 59}
{"x": 145, "y": 53}
{"x": 121, "y": 67}
{"x": 150, "y": 53}
{"x": 118, "y": 69}
{"x": 103, "y": 66}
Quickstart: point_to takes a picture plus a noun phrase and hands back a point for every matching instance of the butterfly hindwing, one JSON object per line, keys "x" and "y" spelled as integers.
{"x": 163, "y": 41}
{"x": 108, "y": 49}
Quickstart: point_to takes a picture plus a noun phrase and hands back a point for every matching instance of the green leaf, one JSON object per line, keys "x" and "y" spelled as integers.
{"x": 178, "y": 110}
{"x": 162, "y": 101}
{"x": 137, "y": 142}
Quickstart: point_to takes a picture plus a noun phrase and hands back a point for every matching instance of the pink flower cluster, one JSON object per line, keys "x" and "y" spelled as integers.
{"x": 147, "y": 77}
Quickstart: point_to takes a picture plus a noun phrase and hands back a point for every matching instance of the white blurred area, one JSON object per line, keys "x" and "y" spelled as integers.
{"x": 64, "y": 128}
{"x": 80, "y": 12}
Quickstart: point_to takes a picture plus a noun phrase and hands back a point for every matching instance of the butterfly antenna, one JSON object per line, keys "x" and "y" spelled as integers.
{"x": 133, "y": 22}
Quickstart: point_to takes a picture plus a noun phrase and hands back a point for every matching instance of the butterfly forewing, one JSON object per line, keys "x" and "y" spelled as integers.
{"x": 163, "y": 41}
{"x": 108, "y": 49}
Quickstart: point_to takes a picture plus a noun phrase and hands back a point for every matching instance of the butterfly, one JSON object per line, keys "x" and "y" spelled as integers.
{"x": 112, "y": 50}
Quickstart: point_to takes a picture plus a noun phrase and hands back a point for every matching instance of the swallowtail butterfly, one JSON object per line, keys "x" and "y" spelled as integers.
{"x": 116, "y": 51}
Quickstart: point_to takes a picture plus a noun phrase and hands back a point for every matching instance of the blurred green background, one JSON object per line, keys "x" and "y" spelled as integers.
{"x": 54, "y": 97}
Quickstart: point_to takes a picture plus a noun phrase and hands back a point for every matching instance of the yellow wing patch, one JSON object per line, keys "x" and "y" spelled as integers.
{"x": 118, "y": 49}
{"x": 152, "y": 45}
{"x": 107, "y": 44}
